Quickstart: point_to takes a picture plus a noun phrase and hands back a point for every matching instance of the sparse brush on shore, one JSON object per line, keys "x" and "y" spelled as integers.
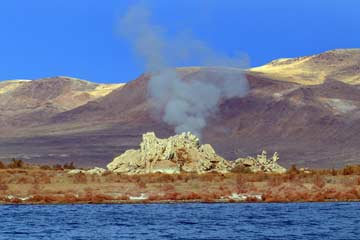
{"x": 21, "y": 164}
{"x": 23, "y": 183}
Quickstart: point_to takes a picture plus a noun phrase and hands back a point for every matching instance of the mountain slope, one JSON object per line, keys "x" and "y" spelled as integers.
{"x": 340, "y": 64}
{"x": 24, "y": 102}
{"x": 313, "y": 121}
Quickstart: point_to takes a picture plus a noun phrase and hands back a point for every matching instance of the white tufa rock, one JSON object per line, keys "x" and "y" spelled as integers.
{"x": 184, "y": 153}
{"x": 95, "y": 170}
{"x": 261, "y": 163}
{"x": 175, "y": 154}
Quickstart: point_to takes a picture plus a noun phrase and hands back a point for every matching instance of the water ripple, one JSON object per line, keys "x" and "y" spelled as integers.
{"x": 182, "y": 221}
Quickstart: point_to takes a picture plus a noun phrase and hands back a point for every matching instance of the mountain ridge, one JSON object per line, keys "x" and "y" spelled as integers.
{"x": 339, "y": 64}
{"x": 309, "y": 124}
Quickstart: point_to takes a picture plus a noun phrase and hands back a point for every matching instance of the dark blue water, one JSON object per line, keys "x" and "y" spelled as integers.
{"x": 182, "y": 221}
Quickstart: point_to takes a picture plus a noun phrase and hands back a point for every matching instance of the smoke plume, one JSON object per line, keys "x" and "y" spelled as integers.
{"x": 184, "y": 104}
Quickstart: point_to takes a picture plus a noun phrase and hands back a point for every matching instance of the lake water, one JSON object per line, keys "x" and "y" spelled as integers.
{"x": 182, "y": 221}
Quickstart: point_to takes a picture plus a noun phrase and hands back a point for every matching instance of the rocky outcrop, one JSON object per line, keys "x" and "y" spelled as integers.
{"x": 261, "y": 163}
{"x": 179, "y": 153}
{"x": 184, "y": 153}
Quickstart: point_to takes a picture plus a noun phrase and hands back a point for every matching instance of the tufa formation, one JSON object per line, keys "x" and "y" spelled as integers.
{"x": 184, "y": 153}
{"x": 261, "y": 163}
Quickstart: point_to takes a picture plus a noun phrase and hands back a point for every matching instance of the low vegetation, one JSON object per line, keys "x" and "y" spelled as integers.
{"x": 24, "y": 183}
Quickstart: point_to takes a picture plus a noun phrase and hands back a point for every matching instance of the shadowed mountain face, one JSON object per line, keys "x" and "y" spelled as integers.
{"x": 307, "y": 109}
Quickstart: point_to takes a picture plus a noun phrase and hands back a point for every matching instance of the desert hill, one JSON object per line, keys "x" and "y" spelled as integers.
{"x": 340, "y": 64}
{"x": 25, "y": 102}
{"x": 306, "y": 108}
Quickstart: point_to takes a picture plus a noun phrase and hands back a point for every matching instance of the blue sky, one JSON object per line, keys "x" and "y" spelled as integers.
{"x": 79, "y": 38}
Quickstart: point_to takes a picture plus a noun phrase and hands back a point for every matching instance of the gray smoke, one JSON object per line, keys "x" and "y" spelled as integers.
{"x": 186, "y": 105}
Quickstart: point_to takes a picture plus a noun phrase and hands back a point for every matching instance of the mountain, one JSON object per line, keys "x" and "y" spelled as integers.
{"x": 25, "y": 102}
{"x": 340, "y": 65}
{"x": 307, "y": 109}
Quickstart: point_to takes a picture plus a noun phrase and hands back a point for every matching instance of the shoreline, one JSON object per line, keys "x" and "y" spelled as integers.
{"x": 171, "y": 202}
{"x": 39, "y": 186}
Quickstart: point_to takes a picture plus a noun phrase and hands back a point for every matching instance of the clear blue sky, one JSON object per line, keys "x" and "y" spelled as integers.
{"x": 42, "y": 38}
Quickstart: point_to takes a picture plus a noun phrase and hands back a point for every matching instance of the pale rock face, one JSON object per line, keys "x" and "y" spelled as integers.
{"x": 178, "y": 153}
{"x": 261, "y": 163}
{"x": 128, "y": 162}
{"x": 95, "y": 170}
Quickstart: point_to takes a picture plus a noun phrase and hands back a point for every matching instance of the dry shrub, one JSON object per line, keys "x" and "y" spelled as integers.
{"x": 250, "y": 187}
{"x": 351, "y": 170}
{"x": 289, "y": 176}
{"x": 352, "y": 194}
{"x": 2, "y": 165}
{"x": 224, "y": 191}
{"x": 274, "y": 196}
{"x": 331, "y": 194}
{"x": 57, "y": 167}
{"x": 69, "y": 165}
{"x": 79, "y": 178}
{"x": 348, "y": 170}
{"x": 357, "y": 181}
{"x": 346, "y": 180}
{"x": 251, "y": 199}
{"x": 318, "y": 197}
{"x": 240, "y": 179}
{"x": 50, "y": 199}
{"x": 208, "y": 177}
{"x": 16, "y": 163}
{"x": 241, "y": 169}
{"x": 36, "y": 198}
{"x": 207, "y": 197}
{"x": 122, "y": 198}
{"x": 141, "y": 184}
{"x": 191, "y": 196}
{"x": 14, "y": 200}
{"x": 302, "y": 196}
{"x": 45, "y": 179}
{"x": 35, "y": 189}
{"x": 182, "y": 157}
{"x": 95, "y": 178}
{"x": 155, "y": 197}
{"x": 69, "y": 198}
{"x": 274, "y": 181}
{"x": 240, "y": 182}
{"x": 25, "y": 180}
{"x": 110, "y": 177}
{"x": 355, "y": 193}
{"x": 292, "y": 195}
{"x": 293, "y": 170}
{"x": 107, "y": 173}
{"x": 160, "y": 178}
{"x": 257, "y": 177}
{"x": 3, "y": 187}
{"x": 171, "y": 196}
{"x": 88, "y": 190}
{"x": 99, "y": 198}
{"x": 183, "y": 176}
{"x": 168, "y": 187}
{"x": 319, "y": 181}
{"x": 45, "y": 167}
